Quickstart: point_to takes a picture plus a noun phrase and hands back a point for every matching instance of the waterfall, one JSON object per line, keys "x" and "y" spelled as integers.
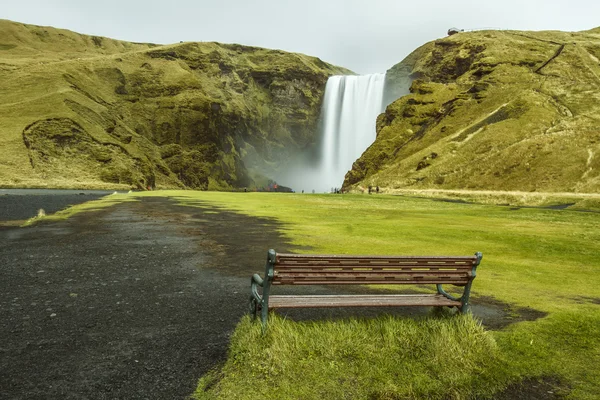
{"x": 350, "y": 110}
{"x": 349, "y": 113}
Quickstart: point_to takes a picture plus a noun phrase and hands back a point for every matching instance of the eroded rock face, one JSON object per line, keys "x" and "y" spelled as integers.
{"x": 501, "y": 110}
{"x": 199, "y": 115}
{"x": 62, "y": 146}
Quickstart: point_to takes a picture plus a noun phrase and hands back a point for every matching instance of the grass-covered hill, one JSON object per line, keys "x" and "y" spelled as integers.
{"x": 499, "y": 110}
{"x": 87, "y": 111}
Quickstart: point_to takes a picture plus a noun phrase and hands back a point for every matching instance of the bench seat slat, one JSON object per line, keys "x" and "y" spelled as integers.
{"x": 376, "y": 259}
{"x": 407, "y": 263}
{"x": 359, "y": 273}
{"x": 375, "y": 275}
{"x": 373, "y": 267}
{"x": 288, "y": 256}
{"x": 317, "y": 301}
{"x": 458, "y": 282}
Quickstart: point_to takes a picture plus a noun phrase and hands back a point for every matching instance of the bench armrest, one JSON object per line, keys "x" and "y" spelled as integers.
{"x": 446, "y": 294}
{"x": 257, "y": 279}
{"x": 254, "y": 283}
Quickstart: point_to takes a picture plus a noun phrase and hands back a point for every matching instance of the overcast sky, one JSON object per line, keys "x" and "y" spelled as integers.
{"x": 365, "y": 36}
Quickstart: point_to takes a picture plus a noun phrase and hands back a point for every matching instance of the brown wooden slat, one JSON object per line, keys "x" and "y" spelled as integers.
{"x": 374, "y": 262}
{"x": 381, "y": 261}
{"x": 372, "y": 273}
{"x": 363, "y": 269}
{"x": 463, "y": 272}
{"x": 459, "y": 282}
{"x": 317, "y": 301}
{"x": 302, "y": 258}
{"x": 350, "y": 272}
{"x": 373, "y": 266}
{"x": 282, "y": 256}
{"x": 363, "y": 277}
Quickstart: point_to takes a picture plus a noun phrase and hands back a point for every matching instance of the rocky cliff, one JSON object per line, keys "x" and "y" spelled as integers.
{"x": 86, "y": 111}
{"x": 502, "y": 110}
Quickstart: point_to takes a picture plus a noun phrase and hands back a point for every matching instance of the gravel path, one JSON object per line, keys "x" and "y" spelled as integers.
{"x": 133, "y": 302}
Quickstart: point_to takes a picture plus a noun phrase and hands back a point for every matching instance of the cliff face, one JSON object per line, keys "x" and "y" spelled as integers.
{"x": 82, "y": 111}
{"x": 500, "y": 110}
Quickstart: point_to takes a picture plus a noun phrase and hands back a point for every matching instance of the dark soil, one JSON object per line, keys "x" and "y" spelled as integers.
{"x": 547, "y": 388}
{"x": 137, "y": 301}
{"x": 497, "y": 314}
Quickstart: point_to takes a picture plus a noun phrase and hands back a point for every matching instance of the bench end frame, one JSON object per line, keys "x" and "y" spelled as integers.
{"x": 464, "y": 299}
{"x": 255, "y": 297}
{"x": 258, "y": 301}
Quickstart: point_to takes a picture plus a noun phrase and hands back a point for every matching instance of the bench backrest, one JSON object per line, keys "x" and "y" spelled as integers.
{"x": 299, "y": 269}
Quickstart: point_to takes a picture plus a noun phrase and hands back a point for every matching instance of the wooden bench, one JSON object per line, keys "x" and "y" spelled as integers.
{"x": 299, "y": 269}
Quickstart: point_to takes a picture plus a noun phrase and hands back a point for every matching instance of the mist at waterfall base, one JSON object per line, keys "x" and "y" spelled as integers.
{"x": 347, "y": 128}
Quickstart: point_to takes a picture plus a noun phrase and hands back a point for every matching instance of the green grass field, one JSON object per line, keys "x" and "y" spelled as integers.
{"x": 545, "y": 259}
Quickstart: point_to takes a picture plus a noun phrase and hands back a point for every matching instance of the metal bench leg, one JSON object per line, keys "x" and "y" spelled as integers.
{"x": 253, "y": 307}
{"x": 465, "y": 306}
{"x": 264, "y": 315}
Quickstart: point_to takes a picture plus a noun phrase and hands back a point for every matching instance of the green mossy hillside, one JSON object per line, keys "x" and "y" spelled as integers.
{"x": 88, "y": 111}
{"x": 496, "y": 110}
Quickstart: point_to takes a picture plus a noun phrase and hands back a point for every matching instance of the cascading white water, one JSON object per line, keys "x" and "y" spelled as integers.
{"x": 350, "y": 109}
{"x": 349, "y": 113}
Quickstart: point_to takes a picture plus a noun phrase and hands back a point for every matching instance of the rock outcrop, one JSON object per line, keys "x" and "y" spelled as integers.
{"x": 501, "y": 110}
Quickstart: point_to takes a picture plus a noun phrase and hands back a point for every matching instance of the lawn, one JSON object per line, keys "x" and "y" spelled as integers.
{"x": 545, "y": 259}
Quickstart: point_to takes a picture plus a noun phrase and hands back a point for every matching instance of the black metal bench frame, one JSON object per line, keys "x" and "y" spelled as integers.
{"x": 301, "y": 269}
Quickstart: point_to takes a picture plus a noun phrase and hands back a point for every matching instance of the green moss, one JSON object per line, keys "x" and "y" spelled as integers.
{"x": 137, "y": 102}
{"x": 497, "y": 120}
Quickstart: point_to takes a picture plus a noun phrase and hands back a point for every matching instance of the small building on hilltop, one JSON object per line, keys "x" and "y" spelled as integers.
{"x": 454, "y": 31}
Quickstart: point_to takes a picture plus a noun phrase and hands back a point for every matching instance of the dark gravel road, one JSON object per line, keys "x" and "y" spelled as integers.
{"x": 133, "y": 302}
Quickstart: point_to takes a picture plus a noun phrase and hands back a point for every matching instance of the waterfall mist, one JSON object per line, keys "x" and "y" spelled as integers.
{"x": 348, "y": 117}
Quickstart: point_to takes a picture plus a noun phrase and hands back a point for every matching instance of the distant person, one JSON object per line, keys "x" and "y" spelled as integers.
{"x": 377, "y": 189}
{"x": 370, "y": 189}
{"x": 302, "y": 191}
